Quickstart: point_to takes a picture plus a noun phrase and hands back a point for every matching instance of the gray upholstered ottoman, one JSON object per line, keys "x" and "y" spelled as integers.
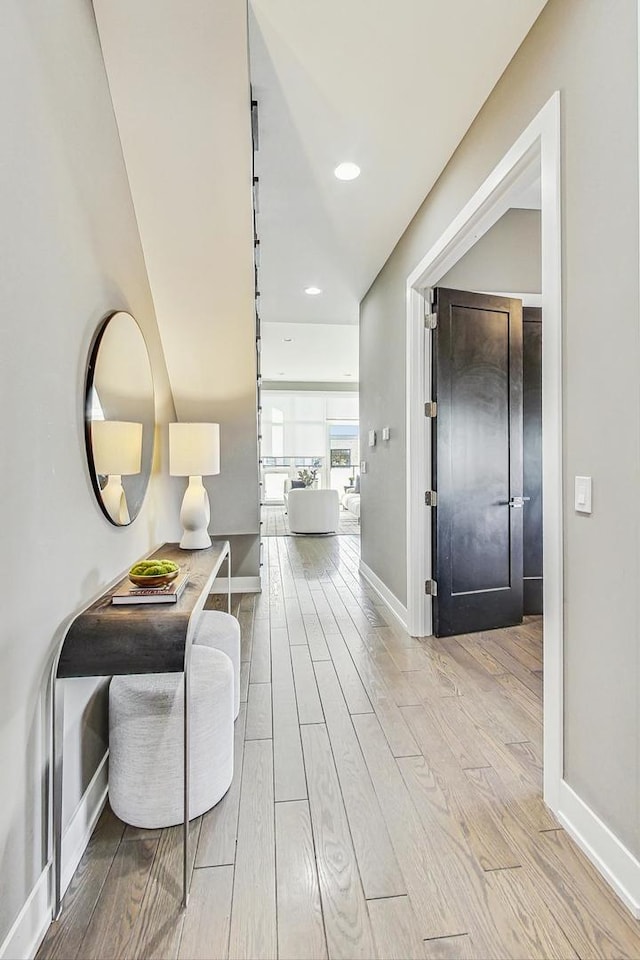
{"x": 222, "y": 632}
{"x": 146, "y": 741}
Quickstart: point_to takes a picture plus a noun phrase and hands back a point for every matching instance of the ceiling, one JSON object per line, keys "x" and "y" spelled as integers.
{"x": 179, "y": 80}
{"x": 392, "y": 86}
{"x": 316, "y": 352}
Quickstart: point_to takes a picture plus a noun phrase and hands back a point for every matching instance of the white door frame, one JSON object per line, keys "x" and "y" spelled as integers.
{"x": 535, "y": 153}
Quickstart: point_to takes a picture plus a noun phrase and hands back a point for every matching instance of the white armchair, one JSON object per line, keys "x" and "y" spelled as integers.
{"x": 313, "y": 511}
{"x": 288, "y": 488}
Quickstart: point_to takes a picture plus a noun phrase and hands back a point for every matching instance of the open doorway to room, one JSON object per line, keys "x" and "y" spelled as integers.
{"x": 531, "y": 167}
{"x": 486, "y": 437}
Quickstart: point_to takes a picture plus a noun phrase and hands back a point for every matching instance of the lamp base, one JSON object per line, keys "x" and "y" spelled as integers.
{"x": 115, "y": 501}
{"x": 195, "y": 515}
{"x": 195, "y": 540}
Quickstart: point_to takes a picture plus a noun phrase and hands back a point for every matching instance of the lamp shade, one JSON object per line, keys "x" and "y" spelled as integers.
{"x": 117, "y": 446}
{"x": 194, "y": 449}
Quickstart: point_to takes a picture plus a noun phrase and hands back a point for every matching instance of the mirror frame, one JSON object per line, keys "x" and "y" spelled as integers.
{"x": 89, "y": 381}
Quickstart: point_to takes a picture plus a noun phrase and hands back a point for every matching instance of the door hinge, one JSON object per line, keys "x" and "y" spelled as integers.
{"x": 431, "y": 498}
{"x": 430, "y": 321}
{"x": 431, "y": 588}
{"x": 431, "y": 408}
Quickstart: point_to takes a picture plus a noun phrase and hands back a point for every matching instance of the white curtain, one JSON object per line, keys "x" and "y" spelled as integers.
{"x": 300, "y": 419}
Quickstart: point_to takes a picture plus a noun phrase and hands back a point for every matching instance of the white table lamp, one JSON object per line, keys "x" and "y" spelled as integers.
{"x": 194, "y": 452}
{"x": 117, "y": 452}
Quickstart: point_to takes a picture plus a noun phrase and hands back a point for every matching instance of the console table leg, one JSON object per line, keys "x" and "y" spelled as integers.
{"x": 185, "y": 826}
{"x": 57, "y": 706}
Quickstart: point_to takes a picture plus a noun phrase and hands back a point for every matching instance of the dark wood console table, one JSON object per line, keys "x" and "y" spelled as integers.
{"x": 106, "y": 640}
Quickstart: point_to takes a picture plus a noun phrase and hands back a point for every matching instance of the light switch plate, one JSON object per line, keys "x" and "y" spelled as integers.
{"x": 583, "y": 495}
{"x": 372, "y": 438}
{"x": 386, "y": 433}
{"x": 363, "y": 466}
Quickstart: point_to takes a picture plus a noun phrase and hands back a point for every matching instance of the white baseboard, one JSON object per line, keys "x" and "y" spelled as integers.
{"x": 238, "y": 585}
{"x": 389, "y": 599}
{"x": 28, "y": 931}
{"x": 83, "y": 822}
{"x": 31, "y": 924}
{"x": 617, "y": 865}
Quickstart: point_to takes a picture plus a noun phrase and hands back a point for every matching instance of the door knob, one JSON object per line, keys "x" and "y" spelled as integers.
{"x": 517, "y": 503}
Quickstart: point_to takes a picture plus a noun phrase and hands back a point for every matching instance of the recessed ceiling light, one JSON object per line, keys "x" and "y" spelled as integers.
{"x": 348, "y": 374}
{"x": 287, "y": 340}
{"x": 281, "y": 373}
{"x": 313, "y": 291}
{"x": 347, "y": 171}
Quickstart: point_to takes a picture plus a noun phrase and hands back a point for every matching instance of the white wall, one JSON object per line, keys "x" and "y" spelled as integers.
{"x": 587, "y": 50}
{"x": 507, "y": 259}
{"x": 70, "y": 252}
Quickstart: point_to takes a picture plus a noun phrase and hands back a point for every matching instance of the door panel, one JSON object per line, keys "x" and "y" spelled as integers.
{"x": 532, "y": 424}
{"x": 477, "y": 462}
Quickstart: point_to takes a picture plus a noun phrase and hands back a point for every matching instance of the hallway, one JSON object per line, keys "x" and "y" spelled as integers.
{"x": 387, "y": 801}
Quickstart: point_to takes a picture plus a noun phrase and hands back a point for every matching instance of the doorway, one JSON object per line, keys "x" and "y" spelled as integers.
{"x": 486, "y": 439}
{"x": 535, "y": 155}
{"x": 477, "y": 444}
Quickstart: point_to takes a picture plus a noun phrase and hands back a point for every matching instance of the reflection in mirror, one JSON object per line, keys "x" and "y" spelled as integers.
{"x": 119, "y": 418}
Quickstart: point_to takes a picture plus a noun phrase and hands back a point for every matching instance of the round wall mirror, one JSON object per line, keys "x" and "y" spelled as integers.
{"x": 119, "y": 417}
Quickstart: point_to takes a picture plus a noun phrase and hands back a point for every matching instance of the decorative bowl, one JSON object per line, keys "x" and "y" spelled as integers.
{"x": 154, "y": 572}
{"x": 157, "y": 580}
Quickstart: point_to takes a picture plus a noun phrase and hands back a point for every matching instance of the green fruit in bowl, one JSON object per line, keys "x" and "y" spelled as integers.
{"x": 153, "y": 568}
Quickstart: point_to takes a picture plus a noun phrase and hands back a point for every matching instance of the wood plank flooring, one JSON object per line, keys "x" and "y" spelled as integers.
{"x": 386, "y": 802}
{"x": 275, "y": 524}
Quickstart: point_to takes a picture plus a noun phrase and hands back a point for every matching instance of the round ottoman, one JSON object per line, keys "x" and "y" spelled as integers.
{"x": 221, "y": 631}
{"x": 146, "y": 713}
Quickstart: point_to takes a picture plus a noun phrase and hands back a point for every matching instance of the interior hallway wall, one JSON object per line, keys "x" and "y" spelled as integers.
{"x": 587, "y": 50}
{"x": 70, "y": 253}
{"x": 507, "y": 259}
{"x": 186, "y": 135}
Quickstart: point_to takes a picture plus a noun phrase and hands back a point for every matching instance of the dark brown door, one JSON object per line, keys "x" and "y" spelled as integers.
{"x": 477, "y": 462}
{"x": 532, "y": 445}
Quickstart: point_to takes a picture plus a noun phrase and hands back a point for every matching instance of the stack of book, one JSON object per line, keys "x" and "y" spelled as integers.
{"x": 169, "y": 593}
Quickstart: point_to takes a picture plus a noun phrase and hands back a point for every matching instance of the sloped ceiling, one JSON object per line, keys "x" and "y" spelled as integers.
{"x": 179, "y": 79}
{"x": 390, "y": 84}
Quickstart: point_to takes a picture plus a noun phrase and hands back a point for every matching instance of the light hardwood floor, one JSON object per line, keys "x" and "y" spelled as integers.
{"x": 275, "y": 523}
{"x": 386, "y": 802}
